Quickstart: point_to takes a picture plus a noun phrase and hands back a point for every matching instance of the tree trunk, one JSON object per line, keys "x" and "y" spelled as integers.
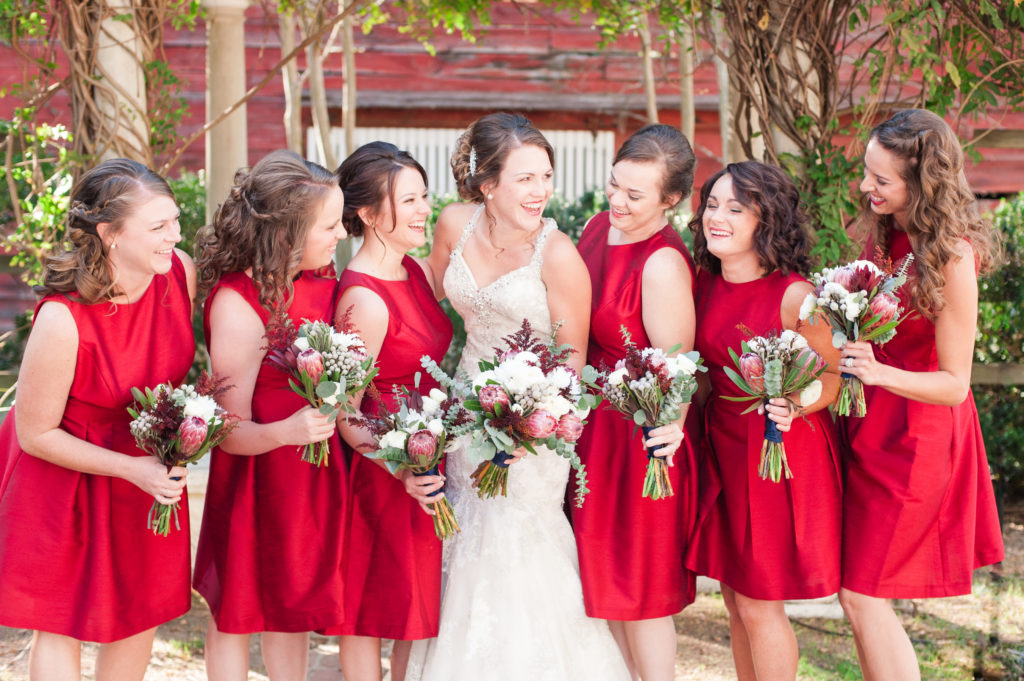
{"x": 292, "y": 86}
{"x": 318, "y": 104}
{"x": 687, "y": 114}
{"x": 348, "y": 93}
{"x": 650, "y": 94}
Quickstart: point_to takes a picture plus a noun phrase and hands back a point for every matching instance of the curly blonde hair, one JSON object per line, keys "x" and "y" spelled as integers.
{"x": 109, "y": 193}
{"x": 263, "y": 225}
{"x": 941, "y": 207}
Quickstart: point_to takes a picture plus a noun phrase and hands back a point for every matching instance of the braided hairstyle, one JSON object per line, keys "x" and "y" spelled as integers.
{"x": 660, "y": 143}
{"x": 263, "y": 225}
{"x": 367, "y": 177}
{"x": 481, "y": 151}
{"x": 109, "y": 193}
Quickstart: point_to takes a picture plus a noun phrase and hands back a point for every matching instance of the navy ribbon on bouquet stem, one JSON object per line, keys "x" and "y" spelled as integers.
{"x": 432, "y": 471}
{"x": 651, "y": 450}
{"x": 771, "y": 430}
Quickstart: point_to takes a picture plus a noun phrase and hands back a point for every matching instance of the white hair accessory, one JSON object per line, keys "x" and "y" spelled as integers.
{"x": 472, "y": 161}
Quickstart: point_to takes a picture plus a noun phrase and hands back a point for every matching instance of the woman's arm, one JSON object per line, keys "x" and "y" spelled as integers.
{"x": 955, "y": 328}
{"x": 568, "y": 284}
{"x": 447, "y": 231}
{"x": 190, "y": 275}
{"x": 819, "y": 337}
{"x": 44, "y": 383}
{"x": 236, "y": 353}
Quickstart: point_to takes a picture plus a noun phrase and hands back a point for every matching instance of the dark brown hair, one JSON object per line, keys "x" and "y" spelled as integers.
{"x": 263, "y": 225}
{"x": 781, "y": 236}
{"x": 659, "y": 143}
{"x": 368, "y": 176}
{"x": 488, "y": 142}
{"x": 108, "y": 193}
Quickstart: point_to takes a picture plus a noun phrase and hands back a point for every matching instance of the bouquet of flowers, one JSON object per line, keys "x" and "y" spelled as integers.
{"x": 770, "y": 367}
{"x": 416, "y": 437}
{"x": 178, "y": 426}
{"x": 650, "y": 388}
{"x": 326, "y": 366}
{"x": 526, "y": 396}
{"x": 860, "y": 303}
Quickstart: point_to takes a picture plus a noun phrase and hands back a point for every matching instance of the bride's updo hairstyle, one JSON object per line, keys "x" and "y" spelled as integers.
{"x": 481, "y": 151}
{"x": 660, "y": 143}
{"x": 263, "y": 225}
{"x": 941, "y": 208}
{"x": 367, "y": 177}
{"x": 109, "y": 193}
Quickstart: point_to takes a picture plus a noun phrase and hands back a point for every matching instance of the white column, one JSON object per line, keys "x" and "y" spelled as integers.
{"x": 227, "y": 147}
{"x": 123, "y": 105}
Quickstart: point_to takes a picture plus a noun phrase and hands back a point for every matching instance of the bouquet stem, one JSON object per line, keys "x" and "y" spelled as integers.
{"x": 851, "y": 397}
{"x": 445, "y": 524}
{"x": 316, "y": 453}
{"x": 773, "y": 454}
{"x": 656, "y": 482}
{"x": 160, "y": 518}
{"x": 491, "y": 477}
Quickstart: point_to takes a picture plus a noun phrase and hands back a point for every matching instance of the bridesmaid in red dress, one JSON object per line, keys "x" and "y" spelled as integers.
{"x": 76, "y": 560}
{"x": 631, "y": 548}
{"x": 393, "y": 563}
{"x": 269, "y": 552}
{"x": 916, "y": 464}
{"x": 764, "y": 541}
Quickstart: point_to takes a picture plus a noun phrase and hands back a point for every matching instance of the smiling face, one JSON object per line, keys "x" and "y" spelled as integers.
{"x": 523, "y": 188}
{"x": 325, "y": 232}
{"x": 728, "y": 225}
{"x": 145, "y": 242}
{"x": 885, "y": 188}
{"x": 634, "y": 197}
{"x": 407, "y": 229}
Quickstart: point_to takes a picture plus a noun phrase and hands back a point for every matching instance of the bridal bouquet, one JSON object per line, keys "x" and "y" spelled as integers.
{"x": 178, "y": 426}
{"x": 416, "y": 437}
{"x": 860, "y": 303}
{"x": 526, "y": 396}
{"x": 770, "y": 367}
{"x": 326, "y": 366}
{"x": 650, "y": 388}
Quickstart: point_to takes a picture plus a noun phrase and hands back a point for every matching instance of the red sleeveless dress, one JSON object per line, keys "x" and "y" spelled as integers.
{"x": 920, "y": 474}
{"x": 270, "y": 548}
{"x": 766, "y": 540}
{"x": 630, "y": 548}
{"x": 76, "y": 557}
{"x": 393, "y": 557}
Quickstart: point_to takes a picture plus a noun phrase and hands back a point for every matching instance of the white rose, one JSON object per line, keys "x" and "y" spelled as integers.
{"x": 811, "y": 393}
{"x": 436, "y": 427}
{"x": 483, "y": 378}
{"x": 430, "y": 406}
{"x": 526, "y": 357}
{"x": 799, "y": 342}
{"x": 557, "y": 406}
{"x": 301, "y": 343}
{"x": 682, "y": 363}
{"x": 560, "y": 377}
{"x": 787, "y": 337}
{"x": 393, "y": 439}
{"x": 808, "y": 306}
{"x": 616, "y": 377}
{"x": 202, "y": 406}
{"x": 437, "y": 395}
{"x": 346, "y": 340}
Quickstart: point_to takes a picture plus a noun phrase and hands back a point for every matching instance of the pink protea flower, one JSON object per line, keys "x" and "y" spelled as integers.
{"x": 311, "y": 363}
{"x": 421, "y": 447}
{"x": 844, "y": 276}
{"x": 752, "y": 370}
{"x": 570, "y": 427}
{"x": 491, "y": 396}
{"x": 813, "y": 359}
{"x": 885, "y": 307}
{"x": 191, "y": 435}
{"x": 539, "y": 425}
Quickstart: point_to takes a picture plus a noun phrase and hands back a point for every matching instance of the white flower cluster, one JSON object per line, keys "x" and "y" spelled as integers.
{"x": 141, "y": 426}
{"x": 529, "y": 388}
{"x": 408, "y": 421}
{"x": 341, "y": 361}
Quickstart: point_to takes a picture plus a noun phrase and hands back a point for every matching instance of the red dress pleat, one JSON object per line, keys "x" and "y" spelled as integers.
{"x": 393, "y": 564}
{"x": 919, "y": 509}
{"x": 766, "y": 540}
{"x": 630, "y": 548}
{"x": 270, "y": 548}
{"x": 76, "y": 557}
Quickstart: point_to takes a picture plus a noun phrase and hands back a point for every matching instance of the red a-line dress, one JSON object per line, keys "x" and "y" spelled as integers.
{"x": 919, "y": 511}
{"x": 766, "y": 540}
{"x": 270, "y": 548}
{"x": 76, "y": 557}
{"x": 630, "y": 548}
{"x": 393, "y": 559}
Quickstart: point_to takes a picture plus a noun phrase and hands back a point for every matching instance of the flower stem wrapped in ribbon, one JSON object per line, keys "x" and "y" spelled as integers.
{"x": 326, "y": 366}
{"x": 649, "y": 387}
{"x": 770, "y": 367}
{"x": 178, "y": 426}
{"x": 859, "y": 302}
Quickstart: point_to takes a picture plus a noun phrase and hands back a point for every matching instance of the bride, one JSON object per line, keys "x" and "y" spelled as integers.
{"x": 512, "y": 605}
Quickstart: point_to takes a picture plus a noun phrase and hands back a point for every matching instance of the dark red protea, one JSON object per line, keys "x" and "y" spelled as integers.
{"x": 570, "y": 427}
{"x": 539, "y": 425}
{"x": 191, "y": 435}
{"x": 491, "y": 396}
{"x": 865, "y": 278}
{"x": 752, "y": 370}
{"x": 885, "y": 307}
{"x": 421, "y": 447}
{"x": 311, "y": 362}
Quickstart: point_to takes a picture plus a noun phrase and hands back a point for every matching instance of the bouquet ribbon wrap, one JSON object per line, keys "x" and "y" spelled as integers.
{"x": 433, "y": 471}
{"x": 651, "y": 450}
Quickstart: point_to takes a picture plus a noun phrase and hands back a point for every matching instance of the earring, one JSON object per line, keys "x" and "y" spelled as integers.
{"x": 113, "y": 245}
{"x": 490, "y": 197}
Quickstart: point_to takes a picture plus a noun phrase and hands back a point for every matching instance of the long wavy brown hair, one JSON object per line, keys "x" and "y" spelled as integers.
{"x": 263, "y": 225}
{"x": 781, "y": 238}
{"x": 941, "y": 208}
{"x": 109, "y": 193}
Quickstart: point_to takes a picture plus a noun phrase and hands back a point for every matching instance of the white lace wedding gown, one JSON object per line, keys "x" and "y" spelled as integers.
{"x": 511, "y": 605}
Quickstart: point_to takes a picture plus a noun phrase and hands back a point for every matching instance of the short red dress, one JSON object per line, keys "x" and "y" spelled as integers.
{"x": 919, "y": 510}
{"x": 393, "y": 561}
{"x": 76, "y": 557}
{"x": 630, "y": 548}
{"x": 270, "y": 548}
{"x": 766, "y": 540}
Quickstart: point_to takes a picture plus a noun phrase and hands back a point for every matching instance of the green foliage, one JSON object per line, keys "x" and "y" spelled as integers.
{"x": 167, "y": 105}
{"x": 572, "y": 215}
{"x": 190, "y": 193}
{"x": 22, "y": 18}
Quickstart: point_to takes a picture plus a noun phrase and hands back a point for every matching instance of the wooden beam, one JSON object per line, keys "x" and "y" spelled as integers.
{"x": 997, "y": 374}
{"x": 1000, "y": 139}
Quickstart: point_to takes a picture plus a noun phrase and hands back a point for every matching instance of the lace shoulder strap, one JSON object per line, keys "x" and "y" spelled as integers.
{"x": 468, "y": 229}
{"x": 538, "y": 251}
